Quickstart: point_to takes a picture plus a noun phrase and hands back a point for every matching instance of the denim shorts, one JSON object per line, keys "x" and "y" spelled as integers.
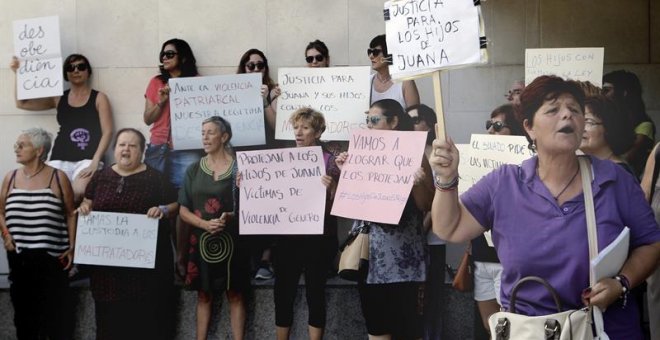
{"x": 173, "y": 163}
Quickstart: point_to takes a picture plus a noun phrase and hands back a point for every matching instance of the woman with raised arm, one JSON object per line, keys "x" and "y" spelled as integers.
{"x": 85, "y": 120}
{"x": 536, "y": 213}
{"x": 382, "y": 86}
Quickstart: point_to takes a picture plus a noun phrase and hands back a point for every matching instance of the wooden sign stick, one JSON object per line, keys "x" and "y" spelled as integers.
{"x": 440, "y": 132}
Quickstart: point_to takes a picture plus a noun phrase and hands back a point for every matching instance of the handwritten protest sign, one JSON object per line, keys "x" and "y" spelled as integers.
{"x": 378, "y": 175}
{"x": 37, "y": 47}
{"x": 340, "y": 93}
{"x": 424, "y": 36}
{"x": 281, "y": 191}
{"x": 114, "y": 239}
{"x": 236, "y": 98}
{"x": 584, "y": 64}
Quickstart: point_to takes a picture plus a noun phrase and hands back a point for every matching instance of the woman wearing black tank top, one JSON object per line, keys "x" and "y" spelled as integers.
{"x": 85, "y": 120}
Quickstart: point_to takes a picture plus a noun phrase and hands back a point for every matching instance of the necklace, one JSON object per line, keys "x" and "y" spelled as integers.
{"x": 381, "y": 80}
{"x": 28, "y": 176}
{"x": 567, "y": 185}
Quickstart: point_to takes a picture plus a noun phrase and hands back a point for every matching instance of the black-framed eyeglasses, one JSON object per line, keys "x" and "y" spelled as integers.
{"x": 82, "y": 67}
{"x": 258, "y": 65}
{"x": 373, "y": 120}
{"x": 166, "y": 55}
{"x": 512, "y": 93}
{"x": 497, "y": 125}
{"x": 319, "y": 58}
{"x": 375, "y": 51}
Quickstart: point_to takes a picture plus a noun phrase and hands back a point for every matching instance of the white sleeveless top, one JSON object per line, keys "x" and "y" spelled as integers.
{"x": 394, "y": 92}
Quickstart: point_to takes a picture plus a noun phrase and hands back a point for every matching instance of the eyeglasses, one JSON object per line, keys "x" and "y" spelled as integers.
{"x": 319, "y": 58}
{"x": 497, "y": 125}
{"x": 375, "y": 51}
{"x": 258, "y": 65}
{"x": 72, "y": 67}
{"x": 166, "y": 55}
{"x": 590, "y": 123}
{"x": 21, "y": 146}
{"x": 416, "y": 119}
{"x": 373, "y": 119}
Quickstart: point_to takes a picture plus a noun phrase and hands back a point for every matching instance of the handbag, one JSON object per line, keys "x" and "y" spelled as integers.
{"x": 463, "y": 280}
{"x": 575, "y": 324}
{"x": 354, "y": 259}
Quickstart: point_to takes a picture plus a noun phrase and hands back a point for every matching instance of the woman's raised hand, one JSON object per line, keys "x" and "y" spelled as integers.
{"x": 341, "y": 159}
{"x": 13, "y": 65}
{"x": 444, "y": 160}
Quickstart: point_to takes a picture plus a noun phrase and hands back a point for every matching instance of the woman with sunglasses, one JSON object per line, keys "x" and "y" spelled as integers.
{"x": 85, "y": 120}
{"x": 253, "y": 61}
{"x": 317, "y": 54}
{"x": 382, "y": 86}
{"x": 177, "y": 60}
{"x": 391, "y": 293}
{"x": 487, "y": 267}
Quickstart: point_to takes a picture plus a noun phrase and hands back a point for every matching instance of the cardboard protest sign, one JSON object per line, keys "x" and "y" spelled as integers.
{"x": 281, "y": 191}
{"x": 425, "y": 36}
{"x": 115, "y": 239}
{"x": 236, "y": 98}
{"x": 341, "y": 94}
{"x": 378, "y": 175}
{"x": 583, "y": 64}
{"x": 37, "y": 47}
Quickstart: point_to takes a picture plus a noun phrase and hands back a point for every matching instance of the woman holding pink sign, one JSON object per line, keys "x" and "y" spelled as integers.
{"x": 133, "y": 303}
{"x": 308, "y": 254}
{"x": 392, "y": 291}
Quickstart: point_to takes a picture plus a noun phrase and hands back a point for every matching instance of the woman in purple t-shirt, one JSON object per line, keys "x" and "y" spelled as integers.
{"x": 536, "y": 213}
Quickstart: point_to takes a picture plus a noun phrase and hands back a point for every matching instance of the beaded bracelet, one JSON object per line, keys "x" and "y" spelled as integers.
{"x": 625, "y": 285}
{"x": 450, "y": 186}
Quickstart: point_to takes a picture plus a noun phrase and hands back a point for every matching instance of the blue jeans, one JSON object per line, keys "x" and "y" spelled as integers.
{"x": 173, "y": 163}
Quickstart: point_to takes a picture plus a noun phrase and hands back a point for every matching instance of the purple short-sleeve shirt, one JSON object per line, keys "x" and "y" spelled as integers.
{"x": 534, "y": 235}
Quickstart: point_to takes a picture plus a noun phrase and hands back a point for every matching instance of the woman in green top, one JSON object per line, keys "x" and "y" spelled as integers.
{"x": 215, "y": 262}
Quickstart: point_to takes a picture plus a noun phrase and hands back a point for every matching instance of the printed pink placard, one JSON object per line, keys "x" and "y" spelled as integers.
{"x": 378, "y": 175}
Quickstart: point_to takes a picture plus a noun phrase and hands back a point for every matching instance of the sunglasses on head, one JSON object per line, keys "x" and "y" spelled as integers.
{"x": 258, "y": 65}
{"x": 80, "y": 67}
{"x": 497, "y": 125}
{"x": 375, "y": 51}
{"x": 374, "y": 119}
{"x": 319, "y": 58}
{"x": 167, "y": 55}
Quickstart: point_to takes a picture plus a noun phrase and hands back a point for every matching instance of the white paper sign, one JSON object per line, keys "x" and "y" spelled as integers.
{"x": 340, "y": 93}
{"x": 281, "y": 191}
{"x": 37, "y": 46}
{"x": 236, "y": 98}
{"x": 114, "y": 239}
{"x": 424, "y": 36}
{"x": 584, "y": 64}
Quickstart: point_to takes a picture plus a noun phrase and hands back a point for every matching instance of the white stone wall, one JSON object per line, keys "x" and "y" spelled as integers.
{"x": 122, "y": 39}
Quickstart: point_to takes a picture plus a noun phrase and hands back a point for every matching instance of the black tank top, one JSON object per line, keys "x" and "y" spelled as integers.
{"x": 80, "y": 130}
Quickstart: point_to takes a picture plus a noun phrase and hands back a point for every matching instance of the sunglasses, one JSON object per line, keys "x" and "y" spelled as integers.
{"x": 72, "y": 67}
{"x": 375, "y": 51}
{"x": 497, "y": 125}
{"x": 373, "y": 119}
{"x": 258, "y": 65}
{"x": 167, "y": 55}
{"x": 416, "y": 119}
{"x": 319, "y": 58}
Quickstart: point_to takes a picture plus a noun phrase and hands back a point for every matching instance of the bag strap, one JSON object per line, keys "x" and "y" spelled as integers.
{"x": 656, "y": 172}
{"x": 589, "y": 211}
{"x": 514, "y": 291}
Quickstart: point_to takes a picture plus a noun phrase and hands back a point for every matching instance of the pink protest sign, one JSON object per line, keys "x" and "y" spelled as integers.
{"x": 281, "y": 191}
{"x": 378, "y": 175}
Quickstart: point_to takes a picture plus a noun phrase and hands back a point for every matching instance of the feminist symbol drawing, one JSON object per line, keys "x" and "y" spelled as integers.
{"x": 81, "y": 137}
